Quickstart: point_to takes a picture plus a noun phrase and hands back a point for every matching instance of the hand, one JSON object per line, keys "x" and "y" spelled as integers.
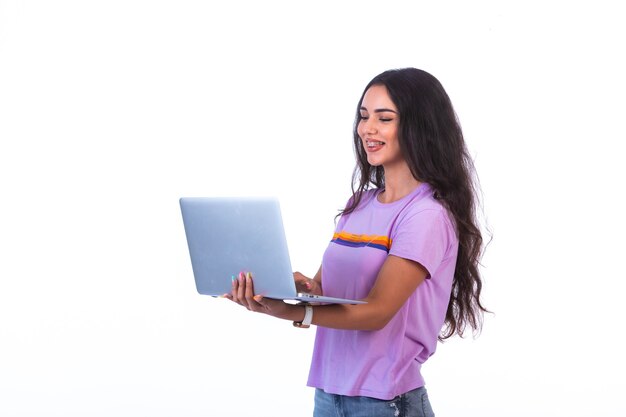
{"x": 243, "y": 294}
{"x": 307, "y": 285}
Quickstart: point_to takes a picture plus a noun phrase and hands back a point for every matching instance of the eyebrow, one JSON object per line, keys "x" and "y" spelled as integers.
{"x": 380, "y": 110}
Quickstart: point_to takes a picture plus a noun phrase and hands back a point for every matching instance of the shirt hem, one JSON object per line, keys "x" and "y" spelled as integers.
{"x": 387, "y": 395}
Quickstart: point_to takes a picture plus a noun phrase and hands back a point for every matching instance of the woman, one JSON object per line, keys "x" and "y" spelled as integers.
{"x": 409, "y": 246}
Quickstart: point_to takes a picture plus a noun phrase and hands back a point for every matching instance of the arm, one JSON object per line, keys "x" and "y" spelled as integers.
{"x": 396, "y": 281}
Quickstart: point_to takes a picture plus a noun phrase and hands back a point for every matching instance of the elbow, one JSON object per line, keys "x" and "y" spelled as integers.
{"x": 369, "y": 317}
{"x": 383, "y": 323}
{"x": 377, "y": 323}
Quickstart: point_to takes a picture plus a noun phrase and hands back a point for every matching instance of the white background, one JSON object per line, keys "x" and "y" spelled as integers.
{"x": 112, "y": 110}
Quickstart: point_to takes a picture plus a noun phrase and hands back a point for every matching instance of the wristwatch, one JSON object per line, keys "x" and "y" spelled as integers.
{"x": 308, "y": 317}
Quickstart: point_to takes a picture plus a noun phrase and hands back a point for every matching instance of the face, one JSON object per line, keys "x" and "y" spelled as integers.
{"x": 378, "y": 127}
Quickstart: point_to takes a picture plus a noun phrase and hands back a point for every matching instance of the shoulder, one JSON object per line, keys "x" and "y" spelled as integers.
{"x": 426, "y": 209}
{"x": 424, "y": 233}
{"x": 424, "y": 200}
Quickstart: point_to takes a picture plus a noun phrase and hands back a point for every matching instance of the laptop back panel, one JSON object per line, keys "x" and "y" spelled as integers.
{"x": 229, "y": 235}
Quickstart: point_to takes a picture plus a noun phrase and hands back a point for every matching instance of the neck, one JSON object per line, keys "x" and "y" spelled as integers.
{"x": 399, "y": 182}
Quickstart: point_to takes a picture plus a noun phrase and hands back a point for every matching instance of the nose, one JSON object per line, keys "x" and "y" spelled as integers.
{"x": 369, "y": 127}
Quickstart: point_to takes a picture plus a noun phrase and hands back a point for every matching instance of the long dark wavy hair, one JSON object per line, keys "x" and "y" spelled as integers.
{"x": 432, "y": 143}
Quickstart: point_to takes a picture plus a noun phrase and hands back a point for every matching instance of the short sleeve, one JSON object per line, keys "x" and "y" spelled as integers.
{"x": 425, "y": 236}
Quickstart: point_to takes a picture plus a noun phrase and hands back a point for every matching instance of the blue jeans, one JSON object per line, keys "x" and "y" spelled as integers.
{"x": 412, "y": 404}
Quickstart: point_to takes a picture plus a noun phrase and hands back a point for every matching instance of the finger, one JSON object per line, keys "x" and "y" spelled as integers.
{"x": 252, "y": 300}
{"x": 241, "y": 290}
{"x": 234, "y": 290}
{"x": 298, "y": 277}
{"x": 249, "y": 288}
{"x": 300, "y": 281}
{"x": 305, "y": 284}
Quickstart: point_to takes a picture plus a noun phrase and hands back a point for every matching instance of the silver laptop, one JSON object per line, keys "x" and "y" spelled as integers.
{"x": 229, "y": 235}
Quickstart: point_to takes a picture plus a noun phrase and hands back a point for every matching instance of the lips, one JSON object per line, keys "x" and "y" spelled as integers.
{"x": 373, "y": 145}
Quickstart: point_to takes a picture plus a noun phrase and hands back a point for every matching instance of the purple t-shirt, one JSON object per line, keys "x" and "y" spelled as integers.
{"x": 385, "y": 363}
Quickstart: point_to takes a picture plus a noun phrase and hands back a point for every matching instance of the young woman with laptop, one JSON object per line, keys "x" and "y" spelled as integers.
{"x": 408, "y": 243}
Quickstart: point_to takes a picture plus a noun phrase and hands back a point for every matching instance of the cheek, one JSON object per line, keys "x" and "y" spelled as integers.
{"x": 392, "y": 133}
{"x": 359, "y": 129}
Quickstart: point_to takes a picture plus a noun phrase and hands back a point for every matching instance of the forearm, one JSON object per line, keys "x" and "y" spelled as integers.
{"x": 341, "y": 316}
{"x": 350, "y": 317}
{"x": 398, "y": 279}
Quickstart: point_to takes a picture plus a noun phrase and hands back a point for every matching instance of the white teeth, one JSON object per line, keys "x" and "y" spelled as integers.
{"x": 373, "y": 143}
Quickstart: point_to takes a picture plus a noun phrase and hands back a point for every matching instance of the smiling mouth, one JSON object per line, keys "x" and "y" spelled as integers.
{"x": 373, "y": 144}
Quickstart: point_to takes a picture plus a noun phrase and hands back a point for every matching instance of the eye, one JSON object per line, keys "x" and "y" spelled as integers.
{"x": 385, "y": 119}
{"x": 363, "y": 117}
